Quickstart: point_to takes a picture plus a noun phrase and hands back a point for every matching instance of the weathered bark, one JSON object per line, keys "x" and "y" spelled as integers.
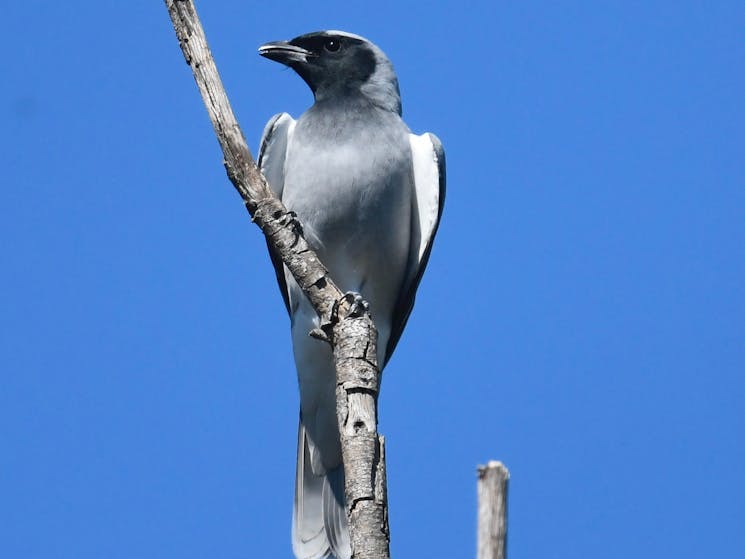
{"x": 345, "y": 325}
{"x": 492, "y": 495}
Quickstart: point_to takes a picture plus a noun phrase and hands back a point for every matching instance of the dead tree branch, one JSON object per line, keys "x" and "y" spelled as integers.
{"x": 492, "y": 495}
{"x": 352, "y": 334}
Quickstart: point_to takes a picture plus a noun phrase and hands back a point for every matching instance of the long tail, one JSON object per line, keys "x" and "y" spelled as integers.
{"x": 319, "y": 527}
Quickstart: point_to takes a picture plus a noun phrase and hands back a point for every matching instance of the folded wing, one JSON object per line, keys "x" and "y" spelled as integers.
{"x": 272, "y": 154}
{"x": 428, "y": 159}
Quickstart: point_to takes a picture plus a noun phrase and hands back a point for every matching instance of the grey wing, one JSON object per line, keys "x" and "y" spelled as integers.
{"x": 428, "y": 160}
{"x": 272, "y": 154}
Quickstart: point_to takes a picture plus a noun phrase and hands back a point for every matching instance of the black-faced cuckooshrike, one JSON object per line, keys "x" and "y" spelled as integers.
{"x": 369, "y": 195}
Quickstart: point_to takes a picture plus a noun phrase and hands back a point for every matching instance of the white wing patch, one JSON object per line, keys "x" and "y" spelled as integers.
{"x": 427, "y": 184}
{"x": 274, "y": 143}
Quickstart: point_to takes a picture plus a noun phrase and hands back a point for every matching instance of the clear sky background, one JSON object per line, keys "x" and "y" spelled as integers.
{"x": 582, "y": 318}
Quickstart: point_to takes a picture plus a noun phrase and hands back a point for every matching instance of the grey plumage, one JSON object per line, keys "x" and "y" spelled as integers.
{"x": 369, "y": 195}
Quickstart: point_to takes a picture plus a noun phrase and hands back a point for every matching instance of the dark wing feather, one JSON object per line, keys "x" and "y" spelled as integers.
{"x": 429, "y": 177}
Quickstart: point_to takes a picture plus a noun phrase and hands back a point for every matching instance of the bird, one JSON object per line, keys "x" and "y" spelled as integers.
{"x": 369, "y": 195}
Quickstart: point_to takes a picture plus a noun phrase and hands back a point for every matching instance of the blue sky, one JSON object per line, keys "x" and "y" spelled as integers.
{"x": 582, "y": 318}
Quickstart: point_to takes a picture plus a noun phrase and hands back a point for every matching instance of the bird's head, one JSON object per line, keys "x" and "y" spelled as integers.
{"x": 336, "y": 64}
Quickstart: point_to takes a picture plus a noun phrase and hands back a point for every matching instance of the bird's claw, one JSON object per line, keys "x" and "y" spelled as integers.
{"x": 321, "y": 333}
{"x": 290, "y": 218}
{"x": 351, "y": 304}
{"x": 357, "y": 305}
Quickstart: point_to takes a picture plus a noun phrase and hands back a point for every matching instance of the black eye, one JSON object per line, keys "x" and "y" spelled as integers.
{"x": 332, "y": 45}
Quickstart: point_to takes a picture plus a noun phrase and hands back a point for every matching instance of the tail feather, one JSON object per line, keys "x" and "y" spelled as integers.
{"x": 335, "y": 514}
{"x": 319, "y": 527}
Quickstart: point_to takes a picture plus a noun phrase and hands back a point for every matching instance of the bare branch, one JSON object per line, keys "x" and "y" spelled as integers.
{"x": 350, "y": 331}
{"x": 492, "y": 494}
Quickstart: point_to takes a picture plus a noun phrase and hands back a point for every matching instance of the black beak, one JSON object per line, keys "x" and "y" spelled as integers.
{"x": 284, "y": 52}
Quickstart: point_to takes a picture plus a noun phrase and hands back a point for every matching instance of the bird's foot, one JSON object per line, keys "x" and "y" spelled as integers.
{"x": 355, "y": 305}
{"x": 351, "y": 305}
{"x": 289, "y": 219}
